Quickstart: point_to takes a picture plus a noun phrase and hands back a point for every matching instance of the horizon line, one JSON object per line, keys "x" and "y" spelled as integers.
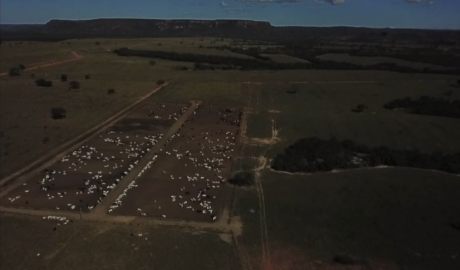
{"x": 235, "y": 19}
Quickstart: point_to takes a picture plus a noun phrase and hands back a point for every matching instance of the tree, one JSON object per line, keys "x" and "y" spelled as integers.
{"x": 152, "y": 63}
{"x": 43, "y": 83}
{"x": 110, "y": 91}
{"x": 63, "y": 78}
{"x": 22, "y": 67}
{"x": 87, "y": 76}
{"x": 58, "y": 113}
{"x": 242, "y": 178}
{"x": 160, "y": 82}
{"x": 14, "y": 72}
{"x": 74, "y": 85}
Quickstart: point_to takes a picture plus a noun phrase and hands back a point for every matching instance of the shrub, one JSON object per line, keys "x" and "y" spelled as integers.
{"x": 160, "y": 82}
{"x": 344, "y": 259}
{"x": 43, "y": 83}
{"x": 58, "y": 113}
{"x": 110, "y": 91}
{"x": 360, "y": 108}
{"x": 63, "y": 78}
{"x": 242, "y": 178}
{"x": 14, "y": 72}
{"x": 74, "y": 85}
{"x": 87, "y": 77}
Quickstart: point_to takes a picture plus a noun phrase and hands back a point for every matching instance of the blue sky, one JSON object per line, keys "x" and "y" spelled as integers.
{"x": 432, "y": 14}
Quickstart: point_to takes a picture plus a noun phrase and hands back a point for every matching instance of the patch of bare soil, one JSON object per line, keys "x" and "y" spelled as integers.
{"x": 236, "y": 226}
{"x": 261, "y": 141}
{"x": 226, "y": 237}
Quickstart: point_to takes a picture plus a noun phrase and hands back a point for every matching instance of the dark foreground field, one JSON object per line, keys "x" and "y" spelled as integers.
{"x": 368, "y": 218}
{"x": 107, "y": 246}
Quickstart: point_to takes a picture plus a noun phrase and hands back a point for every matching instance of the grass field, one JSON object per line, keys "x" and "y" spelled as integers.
{"x": 282, "y": 58}
{"x": 324, "y": 110}
{"x": 394, "y": 218}
{"x": 368, "y": 61}
{"x": 106, "y": 246}
{"x": 383, "y": 218}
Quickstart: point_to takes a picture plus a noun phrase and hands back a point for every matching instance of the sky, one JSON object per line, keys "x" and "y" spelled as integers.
{"x": 426, "y": 14}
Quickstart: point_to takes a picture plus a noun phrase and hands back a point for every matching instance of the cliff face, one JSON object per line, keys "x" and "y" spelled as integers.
{"x": 244, "y": 29}
{"x": 153, "y": 28}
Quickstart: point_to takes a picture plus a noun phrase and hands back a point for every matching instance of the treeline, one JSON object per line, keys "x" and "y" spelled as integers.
{"x": 313, "y": 155}
{"x": 218, "y": 62}
{"x": 427, "y": 106}
{"x": 215, "y": 62}
{"x": 254, "y": 52}
{"x": 310, "y": 54}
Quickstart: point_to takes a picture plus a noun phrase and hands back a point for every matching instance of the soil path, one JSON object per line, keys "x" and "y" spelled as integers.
{"x": 76, "y": 57}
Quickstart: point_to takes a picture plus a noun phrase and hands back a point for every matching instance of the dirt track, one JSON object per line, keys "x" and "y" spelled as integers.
{"x": 56, "y": 154}
{"x": 76, "y": 57}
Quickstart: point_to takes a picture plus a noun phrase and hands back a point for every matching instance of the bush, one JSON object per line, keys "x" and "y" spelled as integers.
{"x": 242, "y": 178}
{"x": 58, "y": 113}
{"x": 111, "y": 91}
{"x": 14, "y": 72}
{"x": 43, "y": 83}
{"x": 344, "y": 259}
{"x": 74, "y": 85}
{"x": 63, "y": 78}
{"x": 427, "y": 106}
{"x": 160, "y": 82}
{"x": 87, "y": 77}
{"x": 360, "y": 108}
{"x": 313, "y": 154}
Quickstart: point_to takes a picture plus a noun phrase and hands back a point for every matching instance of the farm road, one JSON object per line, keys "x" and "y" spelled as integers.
{"x": 76, "y": 57}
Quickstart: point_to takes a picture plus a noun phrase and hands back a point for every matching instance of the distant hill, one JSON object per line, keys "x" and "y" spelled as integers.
{"x": 247, "y": 29}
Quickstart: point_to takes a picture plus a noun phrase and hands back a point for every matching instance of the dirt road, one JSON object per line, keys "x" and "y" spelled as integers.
{"x": 75, "y": 55}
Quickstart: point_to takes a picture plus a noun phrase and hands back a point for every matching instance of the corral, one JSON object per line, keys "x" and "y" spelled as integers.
{"x": 81, "y": 179}
{"x": 188, "y": 179}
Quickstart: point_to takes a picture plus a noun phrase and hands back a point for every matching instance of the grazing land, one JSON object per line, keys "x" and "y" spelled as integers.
{"x": 369, "y": 61}
{"x": 149, "y": 190}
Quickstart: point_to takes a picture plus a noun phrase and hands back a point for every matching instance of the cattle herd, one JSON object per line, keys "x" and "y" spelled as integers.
{"x": 184, "y": 180}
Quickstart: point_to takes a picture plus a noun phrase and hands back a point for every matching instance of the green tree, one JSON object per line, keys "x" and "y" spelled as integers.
{"x": 63, "y": 78}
